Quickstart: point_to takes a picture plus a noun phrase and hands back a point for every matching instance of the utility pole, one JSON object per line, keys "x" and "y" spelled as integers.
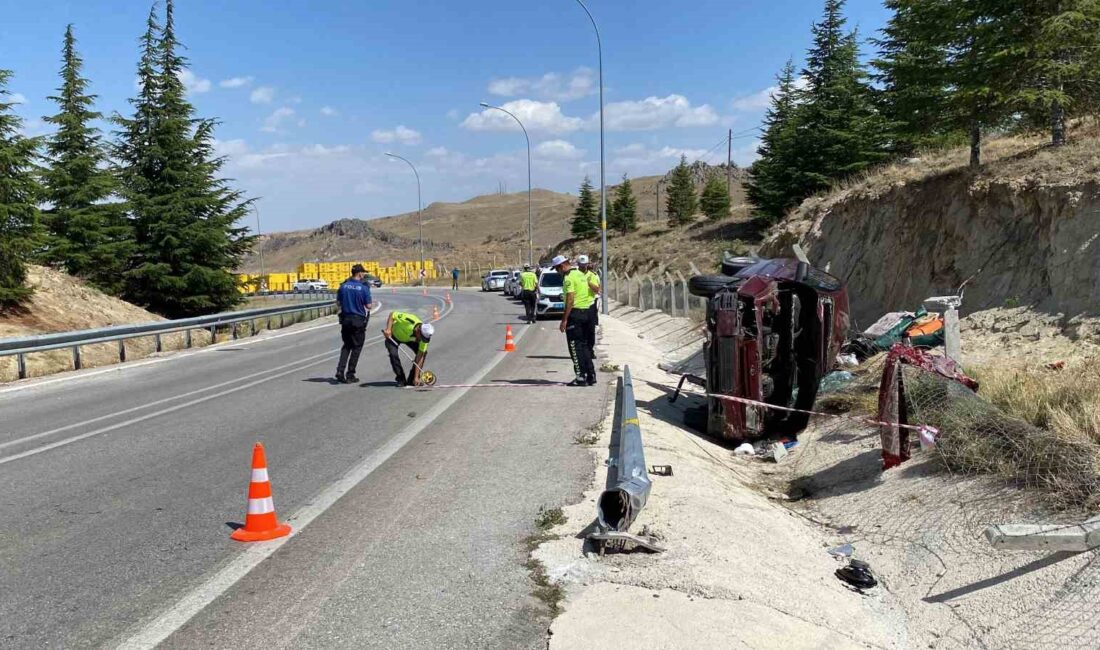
{"x": 729, "y": 161}
{"x": 659, "y": 181}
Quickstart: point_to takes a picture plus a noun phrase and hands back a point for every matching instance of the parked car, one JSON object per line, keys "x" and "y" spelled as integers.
{"x": 372, "y": 280}
{"x": 550, "y": 298}
{"x": 512, "y": 287}
{"x": 494, "y": 280}
{"x": 310, "y": 285}
{"x": 774, "y": 328}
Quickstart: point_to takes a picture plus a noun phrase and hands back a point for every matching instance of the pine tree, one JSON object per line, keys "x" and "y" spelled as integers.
{"x": 183, "y": 214}
{"x": 839, "y": 131}
{"x": 622, "y": 214}
{"x": 19, "y": 195}
{"x": 86, "y": 234}
{"x": 681, "y": 202}
{"x": 912, "y": 69}
{"x": 715, "y": 202}
{"x": 771, "y": 188}
{"x": 585, "y": 216}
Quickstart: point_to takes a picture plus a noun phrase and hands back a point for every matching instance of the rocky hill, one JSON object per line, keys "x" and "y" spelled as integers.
{"x": 1024, "y": 230}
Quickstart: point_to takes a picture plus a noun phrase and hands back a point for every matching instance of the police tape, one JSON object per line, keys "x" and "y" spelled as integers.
{"x": 926, "y": 432}
{"x": 499, "y": 385}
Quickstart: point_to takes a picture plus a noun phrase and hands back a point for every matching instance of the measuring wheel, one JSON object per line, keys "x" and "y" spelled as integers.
{"x": 427, "y": 378}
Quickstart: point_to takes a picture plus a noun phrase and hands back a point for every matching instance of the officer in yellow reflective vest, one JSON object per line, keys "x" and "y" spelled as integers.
{"x": 528, "y": 283}
{"x": 574, "y": 321}
{"x": 594, "y": 311}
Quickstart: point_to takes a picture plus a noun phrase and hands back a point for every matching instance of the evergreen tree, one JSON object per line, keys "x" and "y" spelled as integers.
{"x": 622, "y": 213}
{"x": 681, "y": 202}
{"x": 913, "y": 73}
{"x": 183, "y": 214}
{"x": 715, "y": 202}
{"x": 771, "y": 188}
{"x": 19, "y": 195}
{"x": 839, "y": 131}
{"x": 86, "y": 234}
{"x": 585, "y": 216}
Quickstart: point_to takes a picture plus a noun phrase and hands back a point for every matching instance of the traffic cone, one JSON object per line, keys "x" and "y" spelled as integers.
{"x": 260, "y": 524}
{"x": 435, "y": 313}
{"x": 425, "y": 291}
{"x": 447, "y": 297}
{"x": 509, "y": 342}
{"x": 393, "y": 290}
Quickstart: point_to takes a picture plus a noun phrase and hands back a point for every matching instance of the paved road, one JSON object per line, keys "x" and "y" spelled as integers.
{"x": 117, "y": 491}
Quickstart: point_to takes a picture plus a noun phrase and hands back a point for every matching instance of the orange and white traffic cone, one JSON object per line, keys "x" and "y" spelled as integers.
{"x": 509, "y": 342}
{"x": 260, "y": 524}
{"x": 424, "y": 291}
{"x": 435, "y": 313}
{"x": 447, "y": 297}
{"x": 393, "y": 290}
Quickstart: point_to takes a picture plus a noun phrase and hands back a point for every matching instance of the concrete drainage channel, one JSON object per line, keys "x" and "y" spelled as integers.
{"x": 627, "y": 482}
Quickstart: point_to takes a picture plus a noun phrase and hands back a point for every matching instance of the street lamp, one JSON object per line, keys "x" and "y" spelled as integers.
{"x": 419, "y": 216}
{"x": 260, "y": 241}
{"x": 603, "y": 185}
{"x": 530, "y": 218}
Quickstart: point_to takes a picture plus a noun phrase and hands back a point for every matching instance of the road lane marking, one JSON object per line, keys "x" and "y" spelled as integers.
{"x": 160, "y": 628}
{"x": 300, "y": 364}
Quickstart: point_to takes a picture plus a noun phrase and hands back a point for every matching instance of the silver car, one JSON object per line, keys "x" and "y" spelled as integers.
{"x": 494, "y": 280}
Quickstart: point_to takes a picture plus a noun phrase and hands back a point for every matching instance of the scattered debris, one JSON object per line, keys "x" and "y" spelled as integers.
{"x": 834, "y": 381}
{"x": 778, "y": 451}
{"x": 661, "y": 470}
{"x": 847, "y": 360}
{"x": 607, "y": 366}
{"x": 1046, "y": 537}
{"x": 745, "y": 449}
{"x": 858, "y": 574}
{"x": 844, "y": 550}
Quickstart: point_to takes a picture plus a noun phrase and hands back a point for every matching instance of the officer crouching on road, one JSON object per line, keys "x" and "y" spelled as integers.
{"x": 528, "y": 283}
{"x": 403, "y": 328}
{"x": 574, "y": 322}
{"x": 593, "y": 280}
{"x": 355, "y": 305}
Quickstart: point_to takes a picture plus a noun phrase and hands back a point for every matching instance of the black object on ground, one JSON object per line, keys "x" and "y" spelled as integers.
{"x": 661, "y": 470}
{"x": 858, "y": 574}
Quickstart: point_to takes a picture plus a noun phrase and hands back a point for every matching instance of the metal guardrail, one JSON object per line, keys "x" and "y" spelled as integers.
{"x": 22, "y": 346}
{"x": 627, "y": 480}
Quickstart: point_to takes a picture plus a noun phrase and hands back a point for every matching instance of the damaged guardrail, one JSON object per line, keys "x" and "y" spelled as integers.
{"x": 627, "y": 482}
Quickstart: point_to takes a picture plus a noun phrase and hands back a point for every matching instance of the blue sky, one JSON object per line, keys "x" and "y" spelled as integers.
{"x": 310, "y": 94}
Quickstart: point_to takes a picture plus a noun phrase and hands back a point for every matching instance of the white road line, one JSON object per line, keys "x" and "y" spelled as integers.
{"x": 300, "y": 364}
{"x": 196, "y": 600}
{"x": 178, "y": 354}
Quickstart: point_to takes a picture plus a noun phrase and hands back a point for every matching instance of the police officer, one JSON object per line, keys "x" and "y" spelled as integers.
{"x": 454, "y": 278}
{"x": 528, "y": 283}
{"x": 594, "y": 311}
{"x": 403, "y": 328}
{"x": 355, "y": 304}
{"x": 574, "y": 321}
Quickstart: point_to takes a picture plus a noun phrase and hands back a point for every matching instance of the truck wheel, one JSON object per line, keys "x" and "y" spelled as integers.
{"x": 705, "y": 286}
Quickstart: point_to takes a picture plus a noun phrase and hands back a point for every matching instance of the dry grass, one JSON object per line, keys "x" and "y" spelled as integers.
{"x": 1065, "y": 402}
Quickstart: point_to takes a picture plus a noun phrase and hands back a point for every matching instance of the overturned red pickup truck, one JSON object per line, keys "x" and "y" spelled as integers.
{"x": 774, "y": 328}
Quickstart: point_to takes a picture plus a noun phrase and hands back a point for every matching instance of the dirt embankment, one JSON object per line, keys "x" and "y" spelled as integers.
{"x": 1023, "y": 230}
{"x": 61, "y": 303}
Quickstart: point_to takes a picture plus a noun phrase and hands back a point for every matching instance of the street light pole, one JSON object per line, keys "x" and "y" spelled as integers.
{"x": 530, "y": 213}
{"x": 603, "y": 184}
{"x": 419, "y": 215}
{"x": 260, "y": 241}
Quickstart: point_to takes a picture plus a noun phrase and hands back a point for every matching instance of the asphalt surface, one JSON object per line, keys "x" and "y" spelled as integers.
{"x": 118, "y": 491}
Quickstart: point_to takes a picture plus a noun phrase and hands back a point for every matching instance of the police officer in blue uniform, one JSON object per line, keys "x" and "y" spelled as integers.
{"x": 355, "y": 304}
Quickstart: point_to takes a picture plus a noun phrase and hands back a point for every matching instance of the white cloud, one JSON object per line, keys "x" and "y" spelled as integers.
{"x": 194, "y": 83}
{"x": 552, "y": 85}
{"x": 262, "y": 95}
{"x": 402, "y": 134}
{"x": 322, "y": 150}
{"x": 235, "y": 82}
{"x": 235, "y": 147}
{"x": 760, "y": 100}
{"x": 453, "y": 114}
{"x": 535, "y": 115}
{"x": 657, "y": 113}
{"x": 436, "y": 152}
{"x": 558, "y": 149}
{"x": 17, "y": 98}
{"x": 329, "y": 111}
{"x": 274, "y": 121}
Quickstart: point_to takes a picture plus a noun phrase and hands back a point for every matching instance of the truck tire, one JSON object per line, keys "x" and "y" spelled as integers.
{"x": 705, "y": 286}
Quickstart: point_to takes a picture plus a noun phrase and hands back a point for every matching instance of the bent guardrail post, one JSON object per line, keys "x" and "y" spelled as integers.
{"x": 627, "y": 481}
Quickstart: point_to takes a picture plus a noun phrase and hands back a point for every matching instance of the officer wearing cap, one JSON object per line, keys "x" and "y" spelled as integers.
{"x": 574, "y": 322}
{"x": 528, "y": 283}
{"x": 355, "y": 304}
{"x": 594, "y": 311}
{"x": 403, "y": 328}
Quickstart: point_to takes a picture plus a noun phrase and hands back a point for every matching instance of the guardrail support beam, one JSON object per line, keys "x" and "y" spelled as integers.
{"x": 122, "y": 350}
{"x": 76, "y": 357}
{"x": 21, "y": 361}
